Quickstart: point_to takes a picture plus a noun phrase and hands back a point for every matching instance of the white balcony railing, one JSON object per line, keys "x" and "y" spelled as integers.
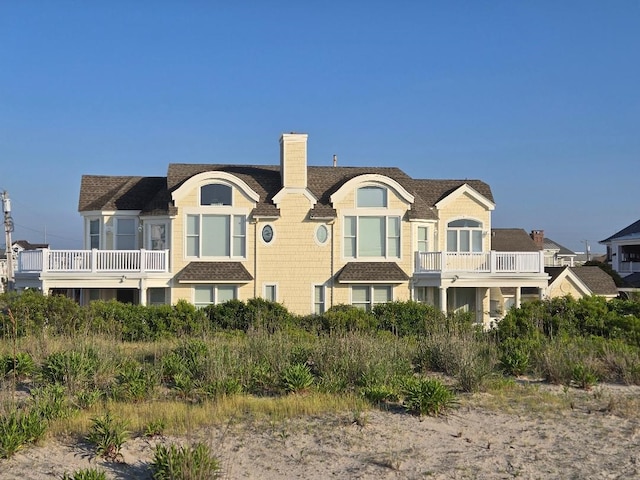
{"x": 93, "y": 261}
{"x": 480, "y": 262}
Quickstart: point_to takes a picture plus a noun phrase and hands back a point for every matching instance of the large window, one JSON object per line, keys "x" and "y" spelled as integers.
{"x": 464, "y": 236}
{"x": 204, "y": 295}
{"x": 125, "y": 234}
{"x": 216, "y": 235}
{"x": 215, "y": 194}
{"x": 377, "y": 236}
{"x": 157, "y": 236}
{"x": 366, "y": 296}
{"x": 423, "y": 239}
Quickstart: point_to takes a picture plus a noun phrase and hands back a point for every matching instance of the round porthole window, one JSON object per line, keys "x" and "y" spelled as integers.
{"x": 267, "y": 233}
{"x": 322, "y": 234}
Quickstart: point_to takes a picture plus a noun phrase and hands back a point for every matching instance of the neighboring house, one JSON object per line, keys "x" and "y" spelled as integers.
{"x": 308, "y": 237}
{"x": 623, "y": 254}
{"x": 555, "y": 255}
{"x": 16, "y": 247}
{"x": 578, "y": 282}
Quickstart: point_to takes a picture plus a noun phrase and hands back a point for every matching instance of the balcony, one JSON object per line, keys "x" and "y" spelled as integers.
{"x": 93, "y": 261}
{"x": 480, "y": 262}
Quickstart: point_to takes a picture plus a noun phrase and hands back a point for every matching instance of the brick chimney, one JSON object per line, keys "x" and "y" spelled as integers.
{"x": 293, "y": 160}
{"x": 538, "y": 238}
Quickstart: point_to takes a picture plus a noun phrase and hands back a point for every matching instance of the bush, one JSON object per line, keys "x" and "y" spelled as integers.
{"x": 184, "y": 463}
{"x": 74, "y": 368}
{"x": 297, "y": 378}
{"x": 407, "y": 318}
{"x": 347, "y": 318}
{"x": 108, "y": 435}
{"x": 18, "y": 429}
{"x": 425, "y": 396}
{"x": 86, "y": 474}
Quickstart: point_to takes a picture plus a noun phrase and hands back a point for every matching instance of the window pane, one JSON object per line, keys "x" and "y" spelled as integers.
{"x": 125, "y": 234}
{"x": 193, "y": 227}
{"x": 156, "y": 296}
{"x": 349, "y": 236}
{"x": 239, "y": 235}
{"x": 393, "y": 249}
{"x": 465, "y": 241}
{"x": 158, "y": 236}
{"x": 477, "y": 240}
{"x": 322, "y": 234}
{"x": 126, "y": 226}
{"x": 371, "y": 237}
{"x": 452, "y": 240}
{"x": 94, "y": 227}
{"x": 465, "y": 223}
{"x": 192, "y": 247}
{"x": 203, "y": 295}
{"x": 372, "y": 197}
{"x": 360, "y": 297}
{"x": 226, "y": 293}
{"x": 318, "y": 299}
{"x": 381, "y": 294}
{"x": 422, "y": 239}
{"x": 270, "y": 293}
{"x": 215, "y": 236}
{"x": 215, "y": 194}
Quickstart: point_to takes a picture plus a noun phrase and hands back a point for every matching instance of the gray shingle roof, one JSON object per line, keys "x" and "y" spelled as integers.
{"x": 630, "y": 230}
{"x": 551, "y": 245}
{"x": 214, "y": 272}
{"x": 152, "y": 195}
{"x": 598, "y": 281}
{"x": 371, "y": 272}
{"x": 512, "y": 240}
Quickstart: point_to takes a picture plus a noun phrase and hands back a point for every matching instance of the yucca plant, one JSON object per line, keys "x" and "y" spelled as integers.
{"x": 427, "y": 396}
{"x": 108, "y": 435}
{"x": 185, "y": 463}
{"x": 18, "y": 429}
{"x": 297, "y": 378}
{"x": 86, "y": 474}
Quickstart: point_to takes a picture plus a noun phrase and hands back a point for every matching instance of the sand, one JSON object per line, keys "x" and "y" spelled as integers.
{"x": 595, "y": 435}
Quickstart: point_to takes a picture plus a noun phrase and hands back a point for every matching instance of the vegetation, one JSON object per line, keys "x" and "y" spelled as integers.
{"x": 93, "y": 370}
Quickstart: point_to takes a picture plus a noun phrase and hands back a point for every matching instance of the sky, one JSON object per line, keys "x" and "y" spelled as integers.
{"x": 540, "y": 99}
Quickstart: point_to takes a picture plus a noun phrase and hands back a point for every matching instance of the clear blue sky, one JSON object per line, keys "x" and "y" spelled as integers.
{"x": 540, "y": 99}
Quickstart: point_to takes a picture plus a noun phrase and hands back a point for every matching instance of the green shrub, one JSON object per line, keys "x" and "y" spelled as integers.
{"x": 584, "y": 376}
{"x": 50, "y": 401}
{"x": 406, "y": 318}
{"x": 134, "y": 382}
{"x": 87, "y": 398}
{"x": 86, "y": 474}
{"x": 18, "y": 429}
{"x": 231, "y": 315}
{"x": 426, "y": 396}
{"x": 108, "y": 435}
{"x": 154, "y": 428}
{"x": 194, "y": 462}
{"x": 297, "y": 378}
{"x": 377, "y": 394}
{"x": 347, "y": 318}
{"x": 73, "y": 368}
{"x": 515, "y": 356}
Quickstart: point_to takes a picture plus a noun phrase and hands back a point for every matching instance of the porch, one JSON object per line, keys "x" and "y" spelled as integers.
{"x": 93, "y": 261}
{"x": 492, "y": 262}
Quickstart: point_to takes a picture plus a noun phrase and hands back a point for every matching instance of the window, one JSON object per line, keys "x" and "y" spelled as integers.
{"x": 125, "y": 234}
{"x": 318, "y": 299}
{"x": 366, "y": 296}
{"x": 322, "y": 234}
{"x": 157, "y": 236}
{"x": 270, "y": 293}
{"x": 267, "y": 233}
{"x": 423, "y": 243}
{"x": 368, "y": 197}
{"x": 215, "y": 194}
{"x": 156, "y": 296}
{"x": 216, "y": 235}
{"x": 204, "y": 295}
{"x": 94, "y": 233}
{"x": 464, "y": 236}
{"x": 377, "y": 236}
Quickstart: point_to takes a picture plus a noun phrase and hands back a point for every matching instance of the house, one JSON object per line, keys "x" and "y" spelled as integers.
{"x": 578, "y": 282}
{"x": 16, "y": 247}
{"x": 308, "y": 237}
{"x": 555, "y": 255}
{"x": 623, "y": 254}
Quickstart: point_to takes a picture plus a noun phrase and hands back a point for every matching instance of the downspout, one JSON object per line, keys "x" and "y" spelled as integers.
{"x": 255, "y": 259}
{"x": 332, "y": 262}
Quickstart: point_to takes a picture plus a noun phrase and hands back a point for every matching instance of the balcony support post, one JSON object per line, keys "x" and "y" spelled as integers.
{"x": 443, "y": 299}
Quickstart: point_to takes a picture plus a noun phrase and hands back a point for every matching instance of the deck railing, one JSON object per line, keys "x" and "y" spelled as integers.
{"x": 114, "y": 261}
{"x": 480, "y": 262}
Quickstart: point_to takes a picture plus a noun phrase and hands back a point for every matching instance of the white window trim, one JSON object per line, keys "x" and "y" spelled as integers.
{"x": 373, "y": 212}
{"x": 215, "y": 292}
{"x": 101, "y": 231}
{"x": 216, "y": 182}
{"x": 372, "y": 185}
{"x": 313, "y": 298}
{"x": 136, "y": 233}
{"x": 264, "y": 291}
{"x": 371, "y": 293}
{"x": 481, "y": 228}
{"x": 224, "y": 210}
{"x": 315, "y": 235}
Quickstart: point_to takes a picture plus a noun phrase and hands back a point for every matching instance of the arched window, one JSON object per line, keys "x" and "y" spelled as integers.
{"x": 372, "y": 197}
{"x": 215, "y": 194}
{"x": 464, "y": 235}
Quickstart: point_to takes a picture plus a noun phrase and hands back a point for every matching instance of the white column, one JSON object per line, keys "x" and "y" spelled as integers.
{"x": 443, "y": 299}
{"x": 518, "y": 297}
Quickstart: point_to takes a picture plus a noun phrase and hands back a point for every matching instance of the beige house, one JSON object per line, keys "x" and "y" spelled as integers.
{"x": 308, "y": 237}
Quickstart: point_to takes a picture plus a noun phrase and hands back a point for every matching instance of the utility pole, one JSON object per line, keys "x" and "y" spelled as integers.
{"x": 8, "y": 228}
{"x": 588, "y": 250}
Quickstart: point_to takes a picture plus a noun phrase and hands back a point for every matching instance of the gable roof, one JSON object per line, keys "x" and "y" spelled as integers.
{"x": 632, "y": 229}
{"x": 152, "y": 195}
{"x": 598, "y": 281}
{"x": 551, "y": 245}
{"x": 512, "y": 240}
